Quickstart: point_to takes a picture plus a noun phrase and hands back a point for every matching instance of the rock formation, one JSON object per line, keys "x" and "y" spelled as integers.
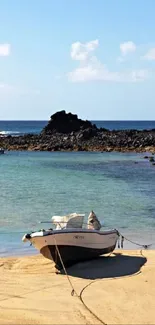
{"x": 66, "y": 132}
{"x": 63, "y": 122}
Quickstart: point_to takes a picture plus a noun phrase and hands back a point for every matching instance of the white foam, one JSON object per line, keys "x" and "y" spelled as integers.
{"x": 8, "y": 132}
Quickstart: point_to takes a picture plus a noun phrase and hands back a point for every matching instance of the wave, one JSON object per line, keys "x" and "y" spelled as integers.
{"x": 9, "y": 132}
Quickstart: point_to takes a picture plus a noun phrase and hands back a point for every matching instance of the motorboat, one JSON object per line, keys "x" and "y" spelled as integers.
{"x": 70, "y": 242}
{"x": 1, "y": 151}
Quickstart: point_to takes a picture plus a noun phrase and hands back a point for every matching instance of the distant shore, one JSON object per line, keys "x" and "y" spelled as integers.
{"x": 67, "y": 132}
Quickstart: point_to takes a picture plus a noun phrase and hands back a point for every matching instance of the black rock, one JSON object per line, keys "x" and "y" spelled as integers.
{"x": 86, "y": 134}
{"x": 63, "y": 122}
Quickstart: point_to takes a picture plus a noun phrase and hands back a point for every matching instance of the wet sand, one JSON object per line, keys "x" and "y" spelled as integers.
{"x": 119, "y": 289}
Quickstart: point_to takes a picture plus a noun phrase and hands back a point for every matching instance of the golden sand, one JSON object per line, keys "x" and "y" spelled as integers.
{"x": 119, "y": 289}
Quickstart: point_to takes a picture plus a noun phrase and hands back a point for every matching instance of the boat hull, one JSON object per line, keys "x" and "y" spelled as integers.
{"x": 71, "y": 255}
{"x": 73, "y": 245}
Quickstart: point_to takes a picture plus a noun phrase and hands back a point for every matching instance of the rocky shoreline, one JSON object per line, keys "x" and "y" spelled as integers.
{"x": 65, "y": 132}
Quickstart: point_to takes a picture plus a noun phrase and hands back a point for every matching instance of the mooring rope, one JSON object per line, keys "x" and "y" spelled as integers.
{"x": 145, "y": 246}
{"x": 79, "y": 296}
{"x": 73, "y": 290}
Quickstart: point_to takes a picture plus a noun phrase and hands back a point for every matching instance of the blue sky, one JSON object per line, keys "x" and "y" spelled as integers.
{"x": 95, "y": 58}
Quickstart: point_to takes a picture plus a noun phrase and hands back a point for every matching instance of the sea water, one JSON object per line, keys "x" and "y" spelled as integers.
{"x": 119, "y": 187}
{"x": 34, "y": 127}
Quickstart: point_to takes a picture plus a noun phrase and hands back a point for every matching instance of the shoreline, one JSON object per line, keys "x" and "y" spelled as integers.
{"x": 66, "y": 132}
{"x": 37, "y": 253}
{"x": 144, "y": 237}
{"x": 31, "y": 292}
{"x": 144, "y": 150}
{"x": 127, "y": 246}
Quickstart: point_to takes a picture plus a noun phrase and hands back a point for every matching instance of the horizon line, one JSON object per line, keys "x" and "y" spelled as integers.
{"x": 25, "y": 120}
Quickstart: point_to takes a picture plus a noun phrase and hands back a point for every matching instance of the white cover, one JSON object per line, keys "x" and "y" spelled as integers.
{"x": 93, "y": 222}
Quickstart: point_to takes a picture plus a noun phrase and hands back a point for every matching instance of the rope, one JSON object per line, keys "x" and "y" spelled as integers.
{"x": 135, "y": 243}
{"x": 84, "y": 304}
{"x": 80, "y": 296}
{"x": 114, "y": 278}
{"x": 73, "y": 290}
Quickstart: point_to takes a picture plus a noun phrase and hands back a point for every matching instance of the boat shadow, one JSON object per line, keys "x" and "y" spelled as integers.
{"x": 114, "y": 266}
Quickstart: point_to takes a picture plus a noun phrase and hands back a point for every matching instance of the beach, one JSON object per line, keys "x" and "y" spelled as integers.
{"x": 119, "y": 289}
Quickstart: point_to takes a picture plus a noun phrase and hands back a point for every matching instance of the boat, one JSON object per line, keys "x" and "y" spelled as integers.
{"x": 1, "y": 151}
{"x": 69, "y": 242}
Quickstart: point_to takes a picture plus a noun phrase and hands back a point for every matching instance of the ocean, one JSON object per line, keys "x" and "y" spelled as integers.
{"x": 119, "y": 187}
{"x": 35, "y": 127}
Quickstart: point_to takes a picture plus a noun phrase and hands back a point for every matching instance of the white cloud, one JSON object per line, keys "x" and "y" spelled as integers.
{"x": 150, "y": 55}
{"x": 92, "y": 73}
{"x": 4, "y": 49}
{"x": 80, "y": 51}
{"x": 91, "y": 69}
{"x": 127, "y": 47}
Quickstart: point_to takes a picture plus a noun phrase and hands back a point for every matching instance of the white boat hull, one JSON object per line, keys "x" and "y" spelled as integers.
{"x": 73, "y": 245}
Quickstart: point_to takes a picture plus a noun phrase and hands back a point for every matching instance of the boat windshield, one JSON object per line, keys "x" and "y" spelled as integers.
{"x": 73, "y": 220}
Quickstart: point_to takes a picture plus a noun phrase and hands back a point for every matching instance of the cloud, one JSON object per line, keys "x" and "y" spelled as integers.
{"x": 127, "y": 47}
{"x": 80, "y": 51}
{"x": 91, "y": 69}
{"x": 4, "y": 49}
{"x": 90, "y": 73}
{"x": 150, "y": 55}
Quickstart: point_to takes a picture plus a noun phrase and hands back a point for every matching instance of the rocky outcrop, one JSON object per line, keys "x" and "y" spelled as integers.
{"x": 72, "y": 134}
{"x": 83, "y": 141}
{"x": 63, "y": 122}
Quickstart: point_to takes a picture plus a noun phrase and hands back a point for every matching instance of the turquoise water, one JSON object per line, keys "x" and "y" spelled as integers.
{"x": 119, "y": 187}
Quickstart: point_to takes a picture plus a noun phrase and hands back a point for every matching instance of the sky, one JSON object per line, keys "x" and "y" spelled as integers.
{"x": 95, "y": 58}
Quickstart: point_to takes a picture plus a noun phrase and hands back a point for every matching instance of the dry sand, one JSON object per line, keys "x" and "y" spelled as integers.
{"x": 119, "y": 289}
